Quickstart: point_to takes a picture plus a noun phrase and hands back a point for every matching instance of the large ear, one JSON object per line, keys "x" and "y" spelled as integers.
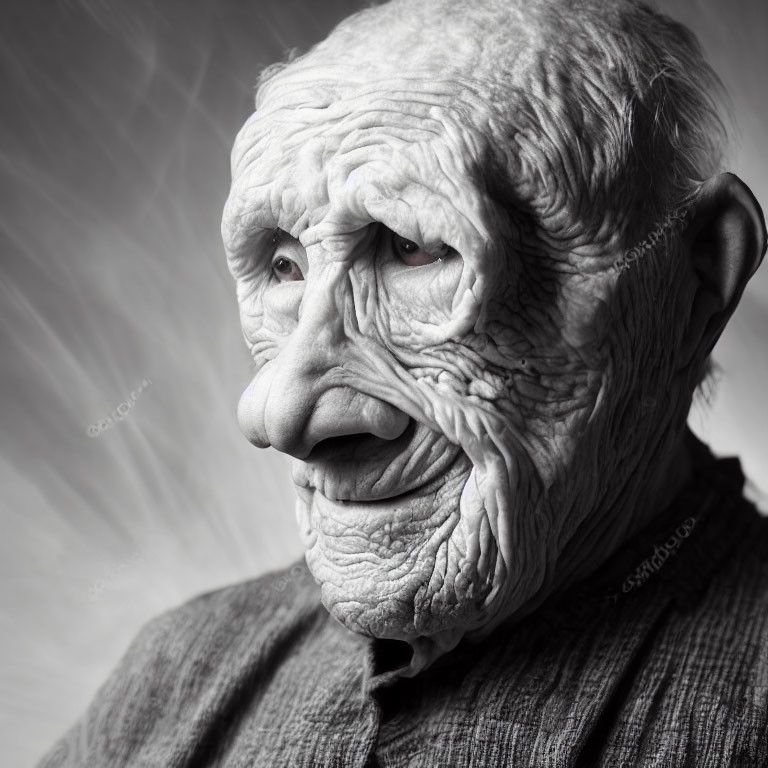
{"x": 725, "y": 241}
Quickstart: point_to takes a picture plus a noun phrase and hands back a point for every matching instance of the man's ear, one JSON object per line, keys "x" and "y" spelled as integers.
{"x": 725, "y": 241}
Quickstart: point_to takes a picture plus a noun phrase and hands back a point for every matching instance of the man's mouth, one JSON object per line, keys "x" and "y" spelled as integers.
{"x": 365, "y": 468}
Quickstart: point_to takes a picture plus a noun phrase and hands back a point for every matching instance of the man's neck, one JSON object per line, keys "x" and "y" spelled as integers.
{"x": 645, "y": 502}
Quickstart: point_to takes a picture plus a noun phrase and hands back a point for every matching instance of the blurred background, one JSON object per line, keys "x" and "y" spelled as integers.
{"x": 126, "y": 485}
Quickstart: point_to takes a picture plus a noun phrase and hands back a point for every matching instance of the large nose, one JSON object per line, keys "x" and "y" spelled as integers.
{"x": 300, "y": 399}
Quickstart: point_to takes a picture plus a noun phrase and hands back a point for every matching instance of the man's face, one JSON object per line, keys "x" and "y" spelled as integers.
{"x": 435, "y": 359}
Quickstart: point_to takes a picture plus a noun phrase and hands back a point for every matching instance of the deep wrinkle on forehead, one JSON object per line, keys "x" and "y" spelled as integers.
{"x": 324, "y": 163}
{"x": 550, "y": 97}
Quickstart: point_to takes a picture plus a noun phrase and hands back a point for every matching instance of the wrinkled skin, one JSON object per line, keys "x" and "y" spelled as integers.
{"x": 423, "y": 260}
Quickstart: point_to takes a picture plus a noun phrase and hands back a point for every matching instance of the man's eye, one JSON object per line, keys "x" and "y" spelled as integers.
{"x": 286, "y": 270}
{"x": 414, "y": 256}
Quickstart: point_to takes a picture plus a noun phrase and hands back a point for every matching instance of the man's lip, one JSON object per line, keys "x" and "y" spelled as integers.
{"x": 432, "y": 484}
{"x": 421, "y": 490}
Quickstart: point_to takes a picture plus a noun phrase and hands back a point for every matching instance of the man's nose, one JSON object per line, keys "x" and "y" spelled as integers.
{"x": 300, "y": 399}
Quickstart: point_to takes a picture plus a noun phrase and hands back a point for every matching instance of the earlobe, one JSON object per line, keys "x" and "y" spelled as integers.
{"x": 725, "y": 241}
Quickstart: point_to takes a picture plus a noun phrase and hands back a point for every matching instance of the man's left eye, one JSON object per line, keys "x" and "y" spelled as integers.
{"x": 286, "y": 270}
{"x": 412, "y": 255}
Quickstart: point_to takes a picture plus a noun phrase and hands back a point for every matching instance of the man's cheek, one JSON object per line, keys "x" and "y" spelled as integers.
{"x": 416, "y": 302}
{"x": 268, "y": 313}
{"x": 280, "y": 306}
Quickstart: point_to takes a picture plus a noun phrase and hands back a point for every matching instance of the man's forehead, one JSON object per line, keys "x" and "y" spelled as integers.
{"x": 404, "y": 84}
{"x": 491, "y": 91}
{"x": 398, "y": 151}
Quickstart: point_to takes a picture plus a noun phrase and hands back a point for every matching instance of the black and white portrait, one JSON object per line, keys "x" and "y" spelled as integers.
{"x": 383, "y": 383}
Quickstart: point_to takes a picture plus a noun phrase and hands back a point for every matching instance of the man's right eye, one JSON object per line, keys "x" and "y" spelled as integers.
{"x": 286, "y": 254}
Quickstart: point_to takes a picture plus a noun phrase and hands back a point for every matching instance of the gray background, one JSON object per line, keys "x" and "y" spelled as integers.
{"x": 117, "y": 118}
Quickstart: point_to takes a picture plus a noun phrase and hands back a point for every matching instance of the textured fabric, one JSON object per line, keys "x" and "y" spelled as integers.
{"x": 659, "y": 659}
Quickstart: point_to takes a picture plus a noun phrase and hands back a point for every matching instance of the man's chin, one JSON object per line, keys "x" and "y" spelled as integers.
{"x": 371, "y": 604}
{"x": 392, "y": 568}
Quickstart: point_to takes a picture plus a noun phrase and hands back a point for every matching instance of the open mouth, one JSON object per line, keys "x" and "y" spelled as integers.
{"x": 352, "y": 447}
{"x": 366, "y": 468}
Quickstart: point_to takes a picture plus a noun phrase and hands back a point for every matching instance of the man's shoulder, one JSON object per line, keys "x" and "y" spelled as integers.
{"x": 711, "y": 637}
{"x": 704, "y": 664}
{"x": 274, "y": 597}
{"x": 222, "y": 622}
{"x": 185, "y": 665}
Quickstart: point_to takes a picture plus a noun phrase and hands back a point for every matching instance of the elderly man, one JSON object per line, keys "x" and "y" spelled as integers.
{"x": 482, "y": 254}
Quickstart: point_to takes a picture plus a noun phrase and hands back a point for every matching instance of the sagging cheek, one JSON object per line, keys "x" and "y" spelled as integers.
{"x": 281, "y": 304}
{"x": 416, "y": 302}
